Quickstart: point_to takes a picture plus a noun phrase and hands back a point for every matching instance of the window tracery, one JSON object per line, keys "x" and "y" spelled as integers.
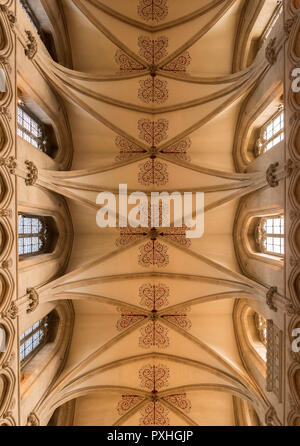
{"x": 34, "y": 235}
{"x": 270, "y": 235}
{"x": 33, "y": 339}
{"x": 271, "y": 134}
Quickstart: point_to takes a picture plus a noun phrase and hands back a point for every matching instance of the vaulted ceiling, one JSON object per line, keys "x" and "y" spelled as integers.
{"x": 153, "y": 103}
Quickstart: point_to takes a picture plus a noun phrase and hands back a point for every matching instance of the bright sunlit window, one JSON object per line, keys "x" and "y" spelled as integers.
{"x": 29, "y": 128}
{"x": 272, "y": 133}
{"x": 33, "y": 235}
{"x": 270, "y": 235}
{"x": 33, "y": 339}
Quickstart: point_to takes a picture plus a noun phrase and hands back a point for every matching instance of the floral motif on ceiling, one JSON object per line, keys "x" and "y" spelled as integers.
{"x": 154, "y": 378}
{"x": 153, "y": 172}
{"x": 153, "y": 334}
{"x": 153, "y": 89}
{"x": 153, "y": 10}
{"x": 153, "y": 253}
{"x": 153, "y": 132}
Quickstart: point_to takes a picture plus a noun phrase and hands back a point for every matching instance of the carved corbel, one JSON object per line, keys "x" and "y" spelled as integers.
{"x": 272, "y": 292}
{"x": 33, "y": 299}
{"x": 31, "y": 46}
{"x": 271, "y": 175}
{"x": 271, "y": 55}
{"x": 32, "y": 174}
{"x": 32, "y": 420}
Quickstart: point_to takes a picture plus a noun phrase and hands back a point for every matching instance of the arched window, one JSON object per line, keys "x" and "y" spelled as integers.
{"x": 33, "y": 130}
{"x": 261, "y": 328}
{"x": 33, "y": 340}
{"x": 37, "y": 235}
{"x": 272, "y": 133}
{"x": 270, "y": 235}
{"x": 32, "y": 13}
{"x": 272, "y": 22}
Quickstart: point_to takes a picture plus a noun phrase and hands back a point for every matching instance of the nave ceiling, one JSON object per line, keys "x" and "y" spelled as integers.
{"x": 153, "y": 102}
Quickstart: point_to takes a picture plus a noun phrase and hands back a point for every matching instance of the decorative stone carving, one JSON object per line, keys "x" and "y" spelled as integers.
{"x": 271, "y": 175}
{"x": 33, "y": 299}
{"x": 5, "y": 213}
{"x": 10, "y": 163}
{"x": 13, "y": 311}
{"x": 289, "y": 25}
{"x": 294, "y": 117}
{"x": 32, "y": 174}
{"x": 294, "y": 214}
{"x": 6, "y": 112}
{"x": 294, "y": 262}
{"x": 7, "y": 364}
{"x": 271, "y": 55}
{"x": 10, "y": 15}
{"x": 270, "y": 417}
{"x": 8, "y": 263}
{"x": 31, "y": 47}
{"x": 270, "y": 296}
{"x": 4, "y": 61}
{"x": 292, "y": 310}
{"x": 32, "y": 420}
{"x": 274, "y": 359}
{"x": 290, "y": 166}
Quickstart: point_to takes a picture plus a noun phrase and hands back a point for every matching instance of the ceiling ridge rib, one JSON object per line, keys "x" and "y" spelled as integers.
{"x": 155, "y": 28}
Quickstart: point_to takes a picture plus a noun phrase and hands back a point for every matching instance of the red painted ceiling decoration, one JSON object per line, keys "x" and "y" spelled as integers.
{"x": 179, "y": 149}
{"x": 154, "y": 414}
{"x": 154, "y": 378}
{"x": 126, "y": 63}
{"x": 153, "y": 132}
{"x": 180, "y": 401}
{"x": 129, "y": 318}
{"x": 153, "y": 172}
{"x": 127, "y": 403}
{"x": 179, "y": 64}
{"x": 128, "y": 149}
{"x": 153, "y": 10}
{"x": 153, "y": 90}
{"x": 154, "y": 297}
{"x": 153, "y": 253}
{"x": 153, "y": 50}
{"x": 154, "y": 334}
